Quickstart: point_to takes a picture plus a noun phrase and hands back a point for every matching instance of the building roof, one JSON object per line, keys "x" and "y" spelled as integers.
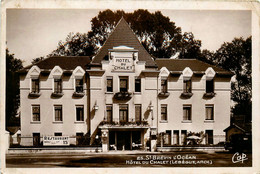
{"x": 193, "y": 64}
{"x": 123, "y": 35}
{"x": 65, "y": 62}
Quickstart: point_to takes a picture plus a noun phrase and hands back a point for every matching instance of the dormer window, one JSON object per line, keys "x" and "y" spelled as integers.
{"x": 35, "y": 86}
{"x": 210, "y": 86}
{"x": 187, "y": 86}
{"x": 164, "y": 85}
{"x": 57, "y": 86}
{"x": 79, "y": 85}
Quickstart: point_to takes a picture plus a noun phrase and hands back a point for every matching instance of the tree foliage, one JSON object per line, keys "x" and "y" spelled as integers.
{"x": 235, "y": 56}
{"x": 160, "y": 36}
{"x": 12, "y": 89}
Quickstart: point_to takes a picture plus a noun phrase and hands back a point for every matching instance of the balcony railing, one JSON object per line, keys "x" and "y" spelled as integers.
{"x": 163, "y": 94}
{"x": 117, "y": 122}
{"x": 209, "y": 94}
{"x": 57, "y": 94}
{"x": 123, "y": 95}
{"x": 187, "y": 94}
{"x": 34, "y": 94}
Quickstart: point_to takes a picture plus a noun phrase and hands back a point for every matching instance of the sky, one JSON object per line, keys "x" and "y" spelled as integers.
{"x": 32, "y": 33}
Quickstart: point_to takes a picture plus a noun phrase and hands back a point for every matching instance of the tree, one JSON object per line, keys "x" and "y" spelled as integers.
{"x": 38, "y": 59}
{"x": 235, "y": 56}
{"x": 160, "y": 36}
{"x": 12, "y": 89}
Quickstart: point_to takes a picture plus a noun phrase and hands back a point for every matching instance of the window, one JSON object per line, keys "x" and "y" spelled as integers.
{"x": 123, "y": 84}
{"x": 138, "y": 112}
{"x": 167, "y": 137}
{"x": 35, "y": 113}
{"x": 187, "y": 86}
{"x": 109, "y": 110}
{"x": 137, "y": 85}
{"x": 36, "y": 139}
{"x": 79, "y": 113}
{"x": 209, "y": 112}
{"x": 209, "y": 86}
{"x": 79, "y": 85}
{"x": 57, "y": 86}
{"x": 109, "y": 84}
{"x": 164, "y": 85}
{"x": 183, "y": 137}
{"x": 187, "y": 112}
{"x": 164, "y": 112}
{"x": 58, "y": 113}
{"x": 123, "y": 113}
{"x": 35, "y": 86}
{"x": 57, "y": 134}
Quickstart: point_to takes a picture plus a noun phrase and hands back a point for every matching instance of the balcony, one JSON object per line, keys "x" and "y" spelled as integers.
{"x": 124, "y": 124}
{"x": 123, "y": 95}
{"x": 79, "y": 92}
{"x": 209, "y": 94}
{"x": 57, "y": 94}
{"x": 163, "y": 94}
{"x": 186, "y": 94}
{"x": 34, "y": 94}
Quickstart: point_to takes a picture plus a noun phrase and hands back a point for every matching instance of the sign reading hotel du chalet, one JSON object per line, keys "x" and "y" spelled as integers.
{"x": 123, "y": 64}
{"x": 56, "y": 141}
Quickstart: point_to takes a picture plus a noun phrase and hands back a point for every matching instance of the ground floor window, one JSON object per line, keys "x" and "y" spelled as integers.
{"x": 176, "y": 137}
{"x": 167, "y": 137}
{"x": 183, "y": 137}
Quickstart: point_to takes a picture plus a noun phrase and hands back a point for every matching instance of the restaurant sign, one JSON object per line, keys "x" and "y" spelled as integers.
{"x": 123, "y": 64}
{"x": 56, "y": 141}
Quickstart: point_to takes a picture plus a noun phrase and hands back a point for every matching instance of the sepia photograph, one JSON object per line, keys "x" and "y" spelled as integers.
{"x": 128, "y": 87}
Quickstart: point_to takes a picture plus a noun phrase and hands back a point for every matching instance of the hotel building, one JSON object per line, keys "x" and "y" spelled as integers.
{"x": 125, "y": 97}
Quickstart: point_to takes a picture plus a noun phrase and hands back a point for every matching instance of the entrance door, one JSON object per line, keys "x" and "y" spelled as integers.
{"x": 123, "y": 140}
{"x": 36, "y": 139}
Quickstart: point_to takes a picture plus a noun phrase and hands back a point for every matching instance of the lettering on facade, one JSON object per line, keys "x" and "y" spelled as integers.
{"x": 123, "y": 64}
{"x": 56, "y": 141}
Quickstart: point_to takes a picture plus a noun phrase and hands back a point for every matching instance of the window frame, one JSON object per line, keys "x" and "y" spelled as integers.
{"x": 186, "y": 84}
{"x": 37, "y": 90}
{"x": 81, "y": 107}
{"x": 165, "y": 113}
{"x": 79, "y": 86}
{"x": 213, "y": 86}
{"x": 123, "y": 108}
{"x": 57, "y": 80}
{"x": 111, "y": 112}
{"x": 188, "y": 117}
{"x": 32, "y": 118}
{"x": 107, "y": 88}
{"x": 140, "y": 85}
{"x": 139, "y": 116}
{"x": 164, "y": 86}
{"x": 61, "y": 108}
{"x": 125, "y": 78}
{"x": 212, "y": 112}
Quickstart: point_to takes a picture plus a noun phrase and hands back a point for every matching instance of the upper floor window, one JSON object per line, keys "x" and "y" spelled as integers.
{"x": 209, "y": 86}
{"x": 137, "y": 85}
{"x": 109, "y": 110}
{"x": 164, "y": 112}
{"x": 187, "y": 112}
{"x": 35, "y": 86}
{"x": 138, "y": 112}
{"x": 123, "y": 113}
{"x": 79, "y": 113}
{"x": 164, "y": 85}
{"x": 79, "y": 85}
{"x": 109, "y": 84}
{"x": 209, "y": 112}
{"x": 58, "y": 113}
{"x": 36, "y": 113}
{"x": 123, "y": 84}
{"x": 187, "y": 86}
{"x": 57, "y": 86}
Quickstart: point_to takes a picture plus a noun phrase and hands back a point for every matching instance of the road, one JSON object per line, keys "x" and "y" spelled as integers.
{"x": 169, "y": 159}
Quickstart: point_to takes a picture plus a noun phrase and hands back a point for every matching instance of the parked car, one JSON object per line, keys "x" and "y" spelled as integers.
{"x": 239, "y": 143}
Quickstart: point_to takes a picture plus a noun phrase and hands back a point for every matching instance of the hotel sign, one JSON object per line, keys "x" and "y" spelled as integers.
{"x": 123, "y": 64}
{"x": 56, "y": 141}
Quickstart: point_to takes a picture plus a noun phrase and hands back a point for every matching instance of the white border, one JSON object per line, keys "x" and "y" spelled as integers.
{"x": 174, "y": 5}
